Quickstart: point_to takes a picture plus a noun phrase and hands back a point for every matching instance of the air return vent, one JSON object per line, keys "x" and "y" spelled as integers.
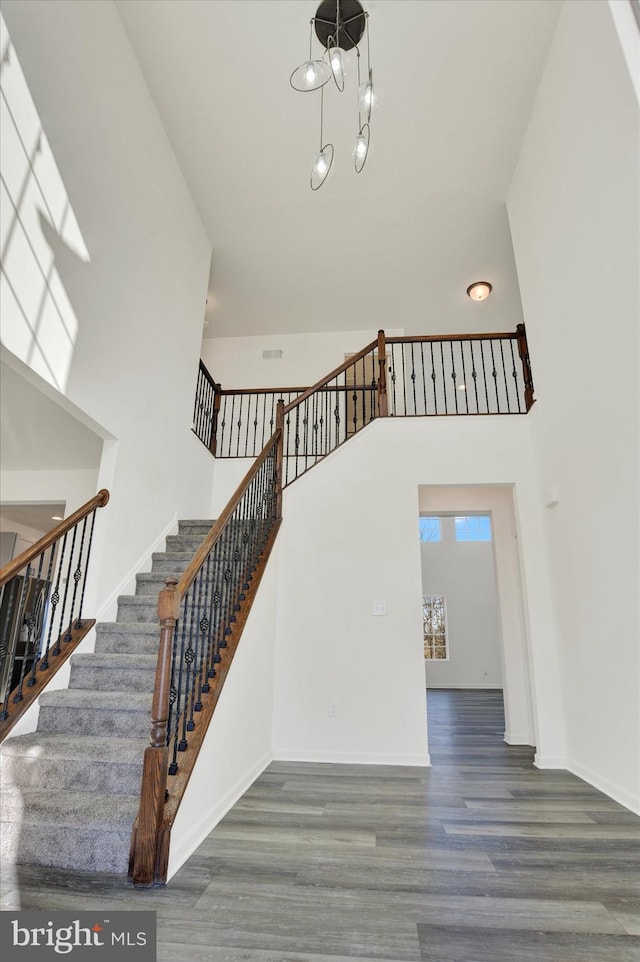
{"x": 272, "y": 355}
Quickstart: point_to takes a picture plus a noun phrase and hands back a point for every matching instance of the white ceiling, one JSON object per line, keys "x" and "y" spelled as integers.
{"x": 393, "y": 247}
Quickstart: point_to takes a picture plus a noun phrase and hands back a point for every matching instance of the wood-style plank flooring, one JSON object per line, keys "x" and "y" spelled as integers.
{"x": 482, "y": 858}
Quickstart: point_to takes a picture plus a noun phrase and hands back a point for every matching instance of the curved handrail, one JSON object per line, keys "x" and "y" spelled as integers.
{"x": 15, "y": 567}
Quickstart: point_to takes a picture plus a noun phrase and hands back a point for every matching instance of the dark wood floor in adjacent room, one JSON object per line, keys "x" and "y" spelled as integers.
{"x": 481, "y": 858}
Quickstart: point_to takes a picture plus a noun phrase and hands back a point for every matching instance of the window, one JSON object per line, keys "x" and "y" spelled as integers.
{"x": 430, "y": 529}
{"x": 475, "y": 527}
{"x": 434, "y": 623}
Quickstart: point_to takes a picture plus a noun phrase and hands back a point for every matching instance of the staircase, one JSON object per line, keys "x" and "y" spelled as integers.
{"x": 70, "y": 790}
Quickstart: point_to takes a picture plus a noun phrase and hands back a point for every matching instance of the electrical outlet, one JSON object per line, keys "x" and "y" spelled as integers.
{"x": 333, "y": 709}
{"x": 379, "y": 608}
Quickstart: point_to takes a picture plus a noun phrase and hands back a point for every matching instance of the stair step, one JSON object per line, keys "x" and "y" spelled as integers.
{"x": 67, "y": 829}
{"x": 118, "y": 638}
{"x": 85, "y": 763}
{"x": 143, "y": 610}
{"x": 113, "y": 672}
{"x": 196, "y": 526}
{"x": 105, "y": 713}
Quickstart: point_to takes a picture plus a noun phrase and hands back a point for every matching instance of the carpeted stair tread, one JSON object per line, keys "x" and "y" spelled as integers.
{"x": 108, "y": 671}
{"x": 70, "y": 790}
{"x": 60, "y": 763}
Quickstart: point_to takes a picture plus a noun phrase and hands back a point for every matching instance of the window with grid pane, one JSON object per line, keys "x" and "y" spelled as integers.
{"x": 434, "y": 623}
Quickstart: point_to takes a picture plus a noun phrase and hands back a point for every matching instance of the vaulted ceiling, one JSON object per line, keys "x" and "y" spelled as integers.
{"x": 395, "y": 246}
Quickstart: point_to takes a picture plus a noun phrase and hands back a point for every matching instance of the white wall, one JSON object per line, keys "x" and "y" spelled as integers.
{"x": 306, "y": 358}
{"x": 516, "y": 654}
{"x": 133, "y": 274}
{"x": 238, "y": 744}
{"x": 463, "y": 573}
{"x": 574, "y": 212}
{"x": 348, "y": 540}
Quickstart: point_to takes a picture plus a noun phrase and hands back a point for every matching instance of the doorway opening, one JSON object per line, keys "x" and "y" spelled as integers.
{"x": 473, "y": 614}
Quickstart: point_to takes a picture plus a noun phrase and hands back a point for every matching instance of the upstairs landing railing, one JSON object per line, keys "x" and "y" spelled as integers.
{"x": 201, "y": 618}
{"x": 41, "y": 610}
{"x": 426, "y": 376}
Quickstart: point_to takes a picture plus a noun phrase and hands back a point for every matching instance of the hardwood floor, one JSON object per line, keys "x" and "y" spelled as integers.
{"x": 481, "y": 858}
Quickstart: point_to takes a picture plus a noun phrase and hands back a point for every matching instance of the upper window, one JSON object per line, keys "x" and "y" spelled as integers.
{"x": 430, "y": 529}
{"x": 474, "y": 527}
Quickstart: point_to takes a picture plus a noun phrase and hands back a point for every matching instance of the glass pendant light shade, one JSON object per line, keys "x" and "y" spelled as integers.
{"x": 362, "y": 147}
{"x": 321, "y": 166}
{"x": 337, "y": 64}
{"x": 310, "y": 75}
{"x": 369, "y": 96}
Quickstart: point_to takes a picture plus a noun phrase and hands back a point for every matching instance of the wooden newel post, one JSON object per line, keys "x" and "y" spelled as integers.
{"x": 383, "y": 407}
{"x": 279, "y": 456}
{"x": 523, "y": 351}
{"x": 146, "y": 833}
{"x": 217, "y": 397}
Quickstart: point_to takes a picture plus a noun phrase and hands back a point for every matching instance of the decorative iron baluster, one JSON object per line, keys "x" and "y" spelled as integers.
{"x": 444, "y": 379}
{"x": 514, "y": 375}
{"x": 434, "y": 378}
{"x": 484, "y": 376}
{"x": 474, "y": 375}
{"x": 393, "y": 377}
{"x": 464, "y": 376}
{"x": 494, "y": 375}
{"x": 424, "y": 378}
{"x": 454, "y": 377}
{"x": 413, "y": 380}
{"x": 504, "y": 374}
{"x": 77, "y": 576}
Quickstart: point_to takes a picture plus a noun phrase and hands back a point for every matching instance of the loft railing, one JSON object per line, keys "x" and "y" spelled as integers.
{"x": 41, "y": 610}
{"x": 201, "y": 619}
{"x": 463, "y": 374}
{"x": 434, "y": 375}
{"x": 333, "y": 410}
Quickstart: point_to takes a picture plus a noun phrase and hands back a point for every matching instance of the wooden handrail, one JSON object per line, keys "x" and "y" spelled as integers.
{"x": 263, "y": 390}
{"x": 199, "y": 557}
{"x": 15, "y": 567}
{"x": 321, "y": 383}
{"x": 417, "y": 338}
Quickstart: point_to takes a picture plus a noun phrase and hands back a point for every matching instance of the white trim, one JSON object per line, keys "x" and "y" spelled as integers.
{"x": 352, "y": 758}
{"x": 550, "y": 761}
{"x": 197, "y": 835}
{"x": 512, "y": 739}
{"x": 109, "y": 609}
{"x": 618, "y": 794}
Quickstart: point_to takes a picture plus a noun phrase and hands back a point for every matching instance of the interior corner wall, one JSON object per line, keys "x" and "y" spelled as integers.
{"x": 139, "y": 299}
{"x": 574, "y": 212}
{"x": 349, "y": 539}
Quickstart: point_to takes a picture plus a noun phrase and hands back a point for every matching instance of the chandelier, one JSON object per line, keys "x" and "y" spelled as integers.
{"x": 339, "y": 26}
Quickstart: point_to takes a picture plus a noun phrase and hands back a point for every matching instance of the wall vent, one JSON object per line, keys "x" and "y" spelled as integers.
{"x": 272, "y": 355}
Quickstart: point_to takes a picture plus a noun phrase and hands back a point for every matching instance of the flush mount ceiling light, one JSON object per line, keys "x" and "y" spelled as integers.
{"x": 339, "y": 26}
{"x": 479, "y": 290}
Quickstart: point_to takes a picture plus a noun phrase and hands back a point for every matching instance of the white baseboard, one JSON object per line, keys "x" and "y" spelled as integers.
{"x": 615, "y": 792}
{"x": 512, "y": 739}
{"x": 352, "y": 758}
{"x": 179, "y": 853}
{"x": 550, "y": 761}
{"x": 618, "y": 794}
{"x": 109, "y": 609}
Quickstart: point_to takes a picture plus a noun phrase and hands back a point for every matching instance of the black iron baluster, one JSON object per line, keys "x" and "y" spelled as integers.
{"x": 393, "y": 376}
{"x": 66, "y": 586}
{"x": 464, "y": 376}
{"x": 424, "y": 378}
{"x": 180, "y": 745}
{"x": 189, "y": 658}
{"x": 494, "y": 375}
{"x": 55, "y": 598}
{"x": 413, "y": 379}
{"x": 474, "y": 375}
{"x": 21, "y": 612}
{"x": 305, "y": 425}
{"x": 238, "y": 424}
{"x": 36, "y": 655}
{"x": 404, "y": 380}
{"x": 77, "y": 576}
{"x": 454, "y": 377}
{"x": 484, "y": 376}
{"x": 514, "y": 374}
{"x": 434, "y": 378}
{"x": 444, "y": 379}
{"x": 504, "y": 374}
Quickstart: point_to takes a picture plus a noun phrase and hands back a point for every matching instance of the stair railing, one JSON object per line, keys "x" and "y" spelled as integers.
{"x": 414, "y": 376}
{"x": 201, "y": 618}
{"x": 42, "y": 595}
